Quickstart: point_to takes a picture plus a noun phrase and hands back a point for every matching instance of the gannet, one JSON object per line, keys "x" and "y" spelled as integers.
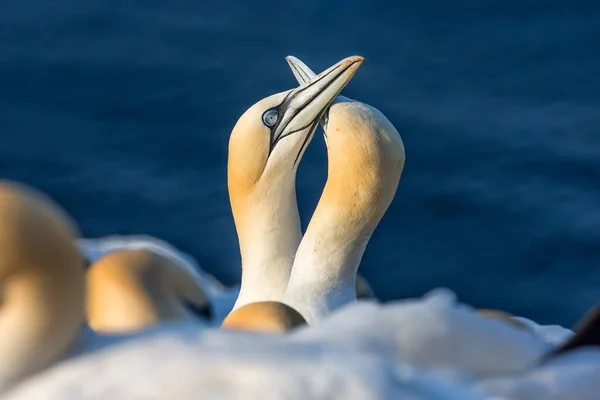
{"x": 42, "y": 283}
{"x": 220, "y": 297}
{"x": 365, "y": 160}
{"x": 265, "y": 148}
{"x": 131, "y": 290}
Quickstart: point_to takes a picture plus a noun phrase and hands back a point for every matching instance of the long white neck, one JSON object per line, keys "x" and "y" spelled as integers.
{"x": 269, "y": 235}
{"x": 365, "y": 160}
{"x": 37, "y": 326}
{"x": 324, "y": 274}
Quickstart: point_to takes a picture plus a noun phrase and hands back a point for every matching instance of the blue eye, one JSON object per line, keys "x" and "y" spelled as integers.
{"x": 270, "y": 118}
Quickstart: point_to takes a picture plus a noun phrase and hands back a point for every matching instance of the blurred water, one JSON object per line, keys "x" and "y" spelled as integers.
{"x": 121, "y": 110}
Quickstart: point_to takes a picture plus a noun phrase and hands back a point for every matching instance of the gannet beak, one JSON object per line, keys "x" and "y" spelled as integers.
{"x": 303, "y": 75}
{"x": 301, "y": 71}
{"x": 304, "y": 106}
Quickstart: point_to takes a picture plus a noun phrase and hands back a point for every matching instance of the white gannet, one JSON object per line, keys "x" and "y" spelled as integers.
{"x": 365, "y": 160}
{"x": 41, "y": 281}
{"x": 265, "y": 148}
{"x": 221, "y": 298}
{"x": 133, "y": 289}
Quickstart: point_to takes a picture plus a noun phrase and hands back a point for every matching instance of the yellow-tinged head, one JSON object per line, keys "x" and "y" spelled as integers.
{"x": 264, "y": 317}
{"x": 41, "y": 281}
{"x": 131, "y": 290}
{"x": 365, "y": 160}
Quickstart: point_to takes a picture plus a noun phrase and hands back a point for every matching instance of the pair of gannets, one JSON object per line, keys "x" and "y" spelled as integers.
{"x": 125, "y": 298}
{"x": 133, "y": 289}
{"x": 42, "y": 271}
{"x": 130, "y": 290}
{"x": 316, "y": 273}
{"x": 365, "y": 158}
{"x": 266, "y": 145}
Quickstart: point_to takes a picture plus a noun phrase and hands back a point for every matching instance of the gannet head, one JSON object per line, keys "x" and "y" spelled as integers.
{"x": 304, "y": 75}
{"x": 41, "y": 281}
{"x": 366, "y": 158}
{"x": 264, "y": 317}
{"x": 362, "y": 138}
{"x": 269, "y": 139}
{"x": 131, "y": 290}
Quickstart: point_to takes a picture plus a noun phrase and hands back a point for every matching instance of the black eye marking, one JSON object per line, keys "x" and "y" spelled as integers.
{"x": 279, "y": 110}
{"x": 313, "y": 128}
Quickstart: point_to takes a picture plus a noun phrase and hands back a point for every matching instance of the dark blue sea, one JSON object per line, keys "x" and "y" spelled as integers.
{"x": 121, "y": 110}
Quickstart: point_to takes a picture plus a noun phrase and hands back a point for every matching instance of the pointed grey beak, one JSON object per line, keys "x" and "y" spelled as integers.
{"x": 304, "y": 106}
{"x": 304, "y": 75}
{"x": 301, "y": 71}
